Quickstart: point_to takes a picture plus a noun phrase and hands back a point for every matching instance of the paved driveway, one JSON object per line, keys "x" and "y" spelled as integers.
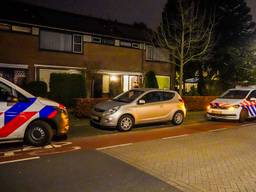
{"x": 213, "y": 161}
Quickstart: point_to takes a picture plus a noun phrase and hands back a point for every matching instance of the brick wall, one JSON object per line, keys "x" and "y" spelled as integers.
{"x": 84, "y": 106}
{"x": 197, "y": 103}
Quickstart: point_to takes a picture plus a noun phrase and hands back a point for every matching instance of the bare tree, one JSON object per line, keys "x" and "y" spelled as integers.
{"x": 188, "y": 35}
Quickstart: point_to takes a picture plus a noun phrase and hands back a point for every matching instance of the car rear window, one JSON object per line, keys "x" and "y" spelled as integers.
{"x": 166, "y": 96}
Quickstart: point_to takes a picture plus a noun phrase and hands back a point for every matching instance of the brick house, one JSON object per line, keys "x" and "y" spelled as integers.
{"x": 36, "y": 41}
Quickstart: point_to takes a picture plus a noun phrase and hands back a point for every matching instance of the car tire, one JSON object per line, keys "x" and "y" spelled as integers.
{"x": 125, "y": 123}
{"x": 243, "y": 116}
{"x": 178, "y": 118}
{"x": 38, "y": 133}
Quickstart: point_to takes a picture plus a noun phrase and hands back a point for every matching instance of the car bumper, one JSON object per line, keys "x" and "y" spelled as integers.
{"x": 104, "y": 121}
{"x": 223, "y": 114}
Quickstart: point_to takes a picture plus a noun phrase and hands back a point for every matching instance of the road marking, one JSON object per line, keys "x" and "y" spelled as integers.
{"x": 113, "y": 146}
{"x": 19, "y": 160}
{"x": 174, "y": 137}
{"x": 216, "y": 130}
{"x": 249, "y": 124}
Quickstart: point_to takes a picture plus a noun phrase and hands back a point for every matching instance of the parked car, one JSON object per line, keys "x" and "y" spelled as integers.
{"x": 235, "y": 104}
{"x": 26, "y": 117}
{"x": 139, "y": 106}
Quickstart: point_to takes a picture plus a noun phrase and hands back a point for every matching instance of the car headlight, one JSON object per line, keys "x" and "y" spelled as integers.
{"x": 111, "y": 111}
{"x": 233, "y": 107}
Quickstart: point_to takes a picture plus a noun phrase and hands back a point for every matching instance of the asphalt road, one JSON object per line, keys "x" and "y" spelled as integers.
{"x": 82, "y": 164}
{"x": 79, "y": 171}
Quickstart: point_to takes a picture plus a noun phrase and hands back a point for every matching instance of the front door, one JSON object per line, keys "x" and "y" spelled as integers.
{"x": 151, "y": 111}
{"x": 13, "y": 114}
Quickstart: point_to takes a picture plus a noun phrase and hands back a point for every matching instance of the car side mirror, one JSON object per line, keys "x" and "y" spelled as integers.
{"x": 12, "y": 99}
{"x": 141, "y": 102}
{"x": 253, "y": 99}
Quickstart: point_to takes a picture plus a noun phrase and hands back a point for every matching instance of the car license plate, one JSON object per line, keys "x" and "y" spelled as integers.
{"x": 95, "y": 117}
{"x": 217, "y": 112}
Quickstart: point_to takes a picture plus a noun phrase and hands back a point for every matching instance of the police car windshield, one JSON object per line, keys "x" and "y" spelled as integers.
{"x": 235, "y": 94}
{"x": 129, "y": 96}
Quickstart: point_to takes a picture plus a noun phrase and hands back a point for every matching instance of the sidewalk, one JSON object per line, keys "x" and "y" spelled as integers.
{"x": 82, "y": 128}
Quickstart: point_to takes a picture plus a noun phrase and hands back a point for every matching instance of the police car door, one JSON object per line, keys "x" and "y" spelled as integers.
{"x": 11, "y": 117}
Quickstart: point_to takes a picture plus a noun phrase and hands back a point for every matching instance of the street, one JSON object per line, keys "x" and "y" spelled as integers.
{"x": 219, "y": 156}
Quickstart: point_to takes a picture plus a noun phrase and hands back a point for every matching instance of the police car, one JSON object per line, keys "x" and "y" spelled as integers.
{"x": 26, "y": 117}
{"x": 235, "y": 104}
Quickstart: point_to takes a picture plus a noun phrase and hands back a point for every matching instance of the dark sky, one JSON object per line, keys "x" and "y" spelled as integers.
{"x": 127, "y": 11}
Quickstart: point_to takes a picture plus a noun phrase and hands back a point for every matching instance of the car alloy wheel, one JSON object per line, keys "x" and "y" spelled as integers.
{"x": 125, "y": 123}
{"x": 178, "y": 118}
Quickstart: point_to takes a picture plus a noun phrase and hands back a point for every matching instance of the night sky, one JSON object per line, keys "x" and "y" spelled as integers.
{"x": 127, "y": 11}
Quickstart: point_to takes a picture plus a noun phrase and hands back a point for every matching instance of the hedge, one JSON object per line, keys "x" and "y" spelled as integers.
{"x": 65, "y": 87}
{"x": 37, "y": 88}
{"x": 150, "y": 80}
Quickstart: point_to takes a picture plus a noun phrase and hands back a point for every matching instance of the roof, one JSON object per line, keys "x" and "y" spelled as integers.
{"x": 18, "y": 12}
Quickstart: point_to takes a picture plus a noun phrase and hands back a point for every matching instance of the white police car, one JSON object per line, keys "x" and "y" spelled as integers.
{"x": 26, "y": 117}
{"x": 235, "y": 104}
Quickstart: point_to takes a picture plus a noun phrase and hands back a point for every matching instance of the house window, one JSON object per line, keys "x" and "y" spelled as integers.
{"x": 4, "y": 26}
{"x": 57, "y": 41}
{"x": 149, "y": 53}
{"x": 136, "y": 45}
{"x": 125, "y": 44}
{"x": 21, "y": 29}
{"x": 96, "y": 39}
{"x": 77, "y": 44}
{"x": 108, "y": 41}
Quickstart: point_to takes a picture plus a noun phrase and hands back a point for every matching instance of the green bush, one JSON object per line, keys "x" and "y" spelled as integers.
{"x": 150, "y": 80}
{"x": 65, "y": 87}
{"x": 37, "y": 88}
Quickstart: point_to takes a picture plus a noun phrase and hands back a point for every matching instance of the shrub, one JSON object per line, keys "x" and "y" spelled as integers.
{"x": 65, "y": 87}
{"x": 150, "y": 80}
{"x": 37, "y": 88}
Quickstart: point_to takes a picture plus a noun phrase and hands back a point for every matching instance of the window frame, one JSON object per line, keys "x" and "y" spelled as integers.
{"x": 72, "y": 51}
{"x": 75, "y": 43}
{"x": 152, "y": 92}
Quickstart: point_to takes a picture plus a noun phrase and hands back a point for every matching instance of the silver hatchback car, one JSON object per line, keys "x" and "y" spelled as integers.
{"x": 139, "y": 106}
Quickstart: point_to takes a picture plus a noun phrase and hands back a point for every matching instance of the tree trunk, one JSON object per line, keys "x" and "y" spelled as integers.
{"x": 181, "y": 80}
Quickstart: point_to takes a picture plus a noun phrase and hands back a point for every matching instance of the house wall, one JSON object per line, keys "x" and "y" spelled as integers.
{"x": 18, "y": 48}
{"x": 21, "y": 48}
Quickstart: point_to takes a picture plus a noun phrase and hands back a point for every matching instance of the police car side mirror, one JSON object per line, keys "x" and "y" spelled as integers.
{"x": 253, "y": 99}
{"x": 12, "y": 99}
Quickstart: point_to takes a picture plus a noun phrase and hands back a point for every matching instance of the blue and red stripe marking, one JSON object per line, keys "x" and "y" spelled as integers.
{"x": 250, "y": 106}
{"x": 48, "y": 112}
{"x": 16, "y": 109}
{"x": 16, "y": 117}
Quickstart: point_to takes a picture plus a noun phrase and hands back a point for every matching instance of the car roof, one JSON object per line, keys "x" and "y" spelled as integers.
{"x": 243, "y": 89}
{"x": 152, "y": 89}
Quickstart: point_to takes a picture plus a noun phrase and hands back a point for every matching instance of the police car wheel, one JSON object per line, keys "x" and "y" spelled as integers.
{"x": 178, "y": 118}
{"x": 243, "y": 116}
{"x": 38, "y": 133}
{"x": 125, "y": 123}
